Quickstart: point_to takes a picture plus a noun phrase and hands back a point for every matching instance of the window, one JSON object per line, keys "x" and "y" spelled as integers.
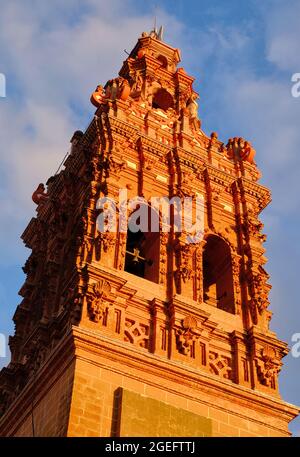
{"x": 162, "y": 99}
{"x": 142, "y": 247}
{"x": 163, "y": 60}
{"x": 217, "y": 274}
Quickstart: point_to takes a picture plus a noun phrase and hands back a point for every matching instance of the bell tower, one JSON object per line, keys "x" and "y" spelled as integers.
{"x": 156, "y": 328}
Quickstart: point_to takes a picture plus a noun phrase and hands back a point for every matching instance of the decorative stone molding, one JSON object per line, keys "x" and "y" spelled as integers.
{"x": 236, "y": 271}
{"x": 185, "y": 258}
{"x": 268, "y": 366}
{"x": 107, "y": 240}
{"x": 187, "y": 335}
{"x": 164, "y": 239}
{"x": 220, "y": 364}
{"x": 136, "y": 333}
{"x": 97, "y": 300}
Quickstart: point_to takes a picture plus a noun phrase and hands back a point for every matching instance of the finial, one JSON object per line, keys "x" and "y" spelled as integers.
{"x": 157, "y": 34}
{"x": 160, "y": 33}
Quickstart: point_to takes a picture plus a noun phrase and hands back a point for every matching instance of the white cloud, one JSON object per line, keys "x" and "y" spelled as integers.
{"x": 283, "y": 35}
{"x": 55, "y": 55}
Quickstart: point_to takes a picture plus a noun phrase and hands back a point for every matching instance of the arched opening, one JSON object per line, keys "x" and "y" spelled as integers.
{"x": 162, "y": 99}
{"x": 217, "y": 274}
{"x": 163, "y": 60}
{"x": 142, "y": 246}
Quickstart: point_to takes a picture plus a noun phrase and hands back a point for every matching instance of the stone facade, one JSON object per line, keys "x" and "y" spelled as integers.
{"x": 177, "y": 327}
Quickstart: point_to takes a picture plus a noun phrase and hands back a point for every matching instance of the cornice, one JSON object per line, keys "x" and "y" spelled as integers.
{"x": 118, "y": 351}
{"x": 190, "y": 158}
{"x": 219, "y": 176}
{"x": 153, "y": 146}
{"x": 258, "y": 191}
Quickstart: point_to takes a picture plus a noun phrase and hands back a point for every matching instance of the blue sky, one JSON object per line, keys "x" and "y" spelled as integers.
{"x": 242, "y": 53}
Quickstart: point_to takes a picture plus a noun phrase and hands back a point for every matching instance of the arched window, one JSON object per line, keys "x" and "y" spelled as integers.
{"x": 217, "y": 274}
{"x": 142, "y": 247}
{"x": 163, "y": 60}
{"x": 162, "y": 99}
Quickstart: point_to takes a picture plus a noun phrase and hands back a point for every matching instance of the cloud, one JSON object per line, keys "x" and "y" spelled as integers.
{"x": 53, "y": 56}
{"x": 283, "y": 36}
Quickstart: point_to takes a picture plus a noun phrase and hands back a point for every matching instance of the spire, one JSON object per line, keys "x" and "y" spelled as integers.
{"x": 160, "y": 33}
{"x": 157, "y": 34}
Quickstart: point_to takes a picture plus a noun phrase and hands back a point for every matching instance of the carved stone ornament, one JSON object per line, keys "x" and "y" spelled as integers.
{"x": 240, "y": 149}
{"x": 185, "y": 270}
{"x": 136, "y": 333}
{"x": 268, "y": 366}
{"x": 117, "y": 165}
{"x": 253, "y": 225}
{"x": 117, "y": 88}
{"x": 97, "y": 300}
{"x": 186, "y": 336}
{"x": 187, "y": 184}
{"x": 220, "y": 364}
{"x": 107, "y": 240}
{"x": 164, "y": 237}
{"x": 260, "y": 293}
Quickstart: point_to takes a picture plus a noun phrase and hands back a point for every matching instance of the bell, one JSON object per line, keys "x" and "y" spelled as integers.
{"x": 136, "y": 254}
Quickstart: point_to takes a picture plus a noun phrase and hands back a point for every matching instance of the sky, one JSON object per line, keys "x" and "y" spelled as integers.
{"x": 243, "y": 55}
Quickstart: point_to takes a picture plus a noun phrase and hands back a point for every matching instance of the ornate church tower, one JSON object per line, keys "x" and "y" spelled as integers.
{"x": 146, "y": 333}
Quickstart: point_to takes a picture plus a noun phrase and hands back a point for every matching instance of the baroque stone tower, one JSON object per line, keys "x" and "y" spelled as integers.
{"x": 123, "y": 333}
